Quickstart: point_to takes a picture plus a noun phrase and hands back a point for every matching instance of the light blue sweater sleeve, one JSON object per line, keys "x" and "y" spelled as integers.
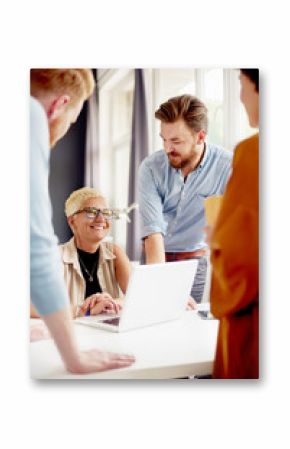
{"x": 48, "y": 291}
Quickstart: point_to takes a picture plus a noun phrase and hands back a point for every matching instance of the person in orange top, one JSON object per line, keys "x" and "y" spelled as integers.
{"x": 235, "y": 254}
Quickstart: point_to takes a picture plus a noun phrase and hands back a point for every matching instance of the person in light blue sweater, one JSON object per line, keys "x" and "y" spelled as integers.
{"x": 57, "y": 97}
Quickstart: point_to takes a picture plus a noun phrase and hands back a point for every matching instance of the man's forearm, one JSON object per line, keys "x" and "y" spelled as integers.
{"x": 154, "y": 249}
{"x": 61, "y": 329}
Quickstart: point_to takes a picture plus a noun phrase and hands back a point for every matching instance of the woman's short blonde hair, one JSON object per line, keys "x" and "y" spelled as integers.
{"x": 77, "y": 198}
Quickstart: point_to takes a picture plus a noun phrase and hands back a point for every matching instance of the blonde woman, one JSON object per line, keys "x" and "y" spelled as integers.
{"x": 96, "y": 272}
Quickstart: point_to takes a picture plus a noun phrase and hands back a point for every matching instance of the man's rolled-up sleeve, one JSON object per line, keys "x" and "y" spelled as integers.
{"x": 150, "y": 202}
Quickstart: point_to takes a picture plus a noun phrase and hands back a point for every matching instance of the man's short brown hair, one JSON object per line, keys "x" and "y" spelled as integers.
{"x": 78, "y": 83}
{"x": 185, "y": 107}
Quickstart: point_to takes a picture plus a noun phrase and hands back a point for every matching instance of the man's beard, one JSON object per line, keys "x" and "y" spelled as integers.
{"x": 179, "y": 163}
{"x": 175, "y": 162}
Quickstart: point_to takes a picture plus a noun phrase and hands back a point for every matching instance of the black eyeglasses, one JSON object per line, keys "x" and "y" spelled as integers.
{"x": 93, "y": 212}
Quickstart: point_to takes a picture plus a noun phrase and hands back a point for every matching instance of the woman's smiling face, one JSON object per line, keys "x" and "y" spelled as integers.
{"x": 90, "y": 230}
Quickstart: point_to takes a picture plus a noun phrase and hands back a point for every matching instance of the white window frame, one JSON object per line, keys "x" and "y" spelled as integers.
{"x": 232, "y": 130}
{"x": 110, "y": 80}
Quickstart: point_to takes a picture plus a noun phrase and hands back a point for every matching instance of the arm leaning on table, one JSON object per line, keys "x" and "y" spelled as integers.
{"x": 153, "y": 226}
{"x": 154, "y": 248}
{"x": 48, "y": 291}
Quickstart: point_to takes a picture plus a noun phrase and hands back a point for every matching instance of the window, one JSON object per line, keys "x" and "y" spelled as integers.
{"x": 213, "y": 98}
{"x": 167, "y": 83}
{"x": 219, "y": 89}
{"x": 116, "y": 104}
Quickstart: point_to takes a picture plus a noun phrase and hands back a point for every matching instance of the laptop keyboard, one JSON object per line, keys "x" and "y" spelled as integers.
{"x": 112, "y": 321}
{"x": 101, "y": 318}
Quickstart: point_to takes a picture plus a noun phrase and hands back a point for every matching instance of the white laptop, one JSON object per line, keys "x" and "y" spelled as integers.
{"x": 156, "y": 293}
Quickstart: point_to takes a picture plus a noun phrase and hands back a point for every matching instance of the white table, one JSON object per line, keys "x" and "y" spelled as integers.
{"x": 179, "y": 348}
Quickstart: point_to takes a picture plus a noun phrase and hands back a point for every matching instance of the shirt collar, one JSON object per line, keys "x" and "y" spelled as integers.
{"x": 205, "y": 156}
{"x": 70, "y": 254}
{"x": 105, "y": 253}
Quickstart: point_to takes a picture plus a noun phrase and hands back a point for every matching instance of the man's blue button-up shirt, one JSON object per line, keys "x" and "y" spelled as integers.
{"x": 175, "y": 208}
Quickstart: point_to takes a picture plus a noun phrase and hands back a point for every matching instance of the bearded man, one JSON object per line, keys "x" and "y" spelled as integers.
{"x": 173, "y": 184}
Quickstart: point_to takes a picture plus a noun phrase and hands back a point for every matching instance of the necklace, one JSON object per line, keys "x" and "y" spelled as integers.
{"x": 89, "y": 274}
